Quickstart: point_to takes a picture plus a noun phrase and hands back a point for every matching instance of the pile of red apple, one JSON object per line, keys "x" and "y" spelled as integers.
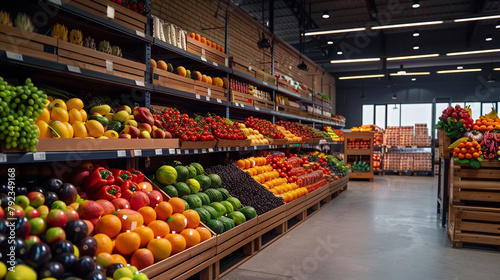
{"x": 265, "y": 128}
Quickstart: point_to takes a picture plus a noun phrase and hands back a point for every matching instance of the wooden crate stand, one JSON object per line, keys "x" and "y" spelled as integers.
{"x": 76, "y": 55}
{"x": 472, "y": 186}
{"x": 171, "y": 80}
{"x": 211, "y": 91}
{"x": 28, "y": 43}
{"x": 473, "y": 225}
{"x": 113, "y": 12}
{"x": 444, "y": 142}
{"x": 207, "y": 52}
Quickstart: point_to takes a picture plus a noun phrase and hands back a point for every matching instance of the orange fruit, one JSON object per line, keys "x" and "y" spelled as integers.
{"x": 248, "y": 164}
{"x": 148, "y": 213}
{"x": 160, "y": 228}
{"x": 130, "y": 219}
{"x": 192, "y": 237}
{"x": 142, "y": 258}
{"x": 240, "y": 163}
{"x": 161, "y": 248}
{"x": 104, "y": 244}
{"x": 146, "y": 234}
{"x": 109, "y": 225}
{"x": 127, "y": 242}
{"x": 178, "y": 205}
{"x": 177, "y": 222}
{"x": 90, "y": 226}
{"x": 193, "y": 218}
{"x": 163, "y": 210}
{"x": 104, "y": 259}
{"x": 177, "y": 241}
{"x": 204, "y": 233}
{"x": 117, "y": 258}
{"x": 145, "y": 186}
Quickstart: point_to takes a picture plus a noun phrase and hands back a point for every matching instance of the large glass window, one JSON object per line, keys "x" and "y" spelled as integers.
{"x": 367, "y": 114}
{"x": 393, "y": 114}
{"x": 416, "y": 113}
{"x": 476, "y": 109}
{"x": 440, "y": 107}
{"x": 380, "y": 115}
{"x": 486, "y": 107}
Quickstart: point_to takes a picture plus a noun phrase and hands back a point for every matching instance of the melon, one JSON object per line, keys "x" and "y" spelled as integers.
{"x": 216, "y": 181}
{"x": 162, "y": 65}
{"x": 235, "y": 202}
{"x": 194, "y": 201}
{"x": 166, "y": 175}
{"x": 182, "y": 189}
{"x": 216, "y": 226}
{"x": 227, "y": 223}
{"x": 221, "y": 210}
{"x": 228, "y": 205}
{"x": 204, "y": 181}
{"x": 213, "y": 213}
{"x": 204, "y": 214}
{"x": 237, "y": 217}
{"x": 205, "y": 200}
{"x": 214, "y": 195}
{"x": 249, "y": 212}
{"x": 224, "y": 192}
{"x": 192, "y": 171}
{"x": 193, "y": 185}
{"x": 186, "y": 205}
{"x": 170, "y": 190}
{"x": 182, "y": 173}
{"x": 198, "y": 167}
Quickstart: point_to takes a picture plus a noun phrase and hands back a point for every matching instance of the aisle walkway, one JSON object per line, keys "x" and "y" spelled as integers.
{"x": 384, "y": 230}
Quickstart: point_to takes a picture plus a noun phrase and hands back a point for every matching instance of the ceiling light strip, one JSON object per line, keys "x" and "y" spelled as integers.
{"x": 473, "y": 52}
{"x": 476, "y": 18}
{"x": 459, "y": 71}
{"x": 362, "y": 77}
{"x": 412, "y": 57}
{"x": 354, "y": 60}
{"x": 411, "y": 74}
{"x": 403, "y": 25}
{"x": 335, "y": 31}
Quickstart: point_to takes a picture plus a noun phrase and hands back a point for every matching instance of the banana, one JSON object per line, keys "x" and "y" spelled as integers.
{"x": 76, "y": 37}
{"x": 468, "y": 110}
{"x": 60, "y": 32}
{"x": 105, "y": 47}
{"x": 5, "y": 18}
{"x": 23, "y": 22}
{"x": 455, "y": 144}
{"x": 115, "y": 50}
{"x": 493, "y": 114}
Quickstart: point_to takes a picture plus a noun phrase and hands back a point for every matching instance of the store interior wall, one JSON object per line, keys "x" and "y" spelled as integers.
{"x": 471, "y": 87}
{"x": 203, "y": 17}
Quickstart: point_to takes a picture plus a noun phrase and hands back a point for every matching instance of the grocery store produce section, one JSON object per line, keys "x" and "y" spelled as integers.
{"x": 468, "y": 185}
{"x": 133, "y": 152}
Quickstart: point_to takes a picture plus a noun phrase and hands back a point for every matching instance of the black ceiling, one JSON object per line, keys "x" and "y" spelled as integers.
{"x": 442, "y": 38}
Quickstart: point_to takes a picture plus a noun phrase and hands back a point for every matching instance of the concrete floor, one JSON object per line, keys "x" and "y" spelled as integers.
{"x": 388, "y": 229}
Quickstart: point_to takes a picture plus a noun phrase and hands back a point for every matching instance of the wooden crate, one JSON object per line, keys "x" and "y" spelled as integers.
{"x": 211, "y": 91}
{"x": 263, "y": 104}
{"x": 327, "y": 102}
{"x": 472, "y": 186}
{"x": 171, "y": 80}
{"x": 241, "y": 98}
{"x": 113, "y": 12}
{"x": 76, "y": 55}
{"x": 304, "y": 93}
{"x": 15, "y": 40}
{"x": 263, "y": 76}
{"x": 286, "y": 86}
{"x": 207, "y": 52}
{"x": 241, "y": 66}
{"x": 444, "y": 142}
{"x": 228, "y": 239}
{"x": 473, "y": 225}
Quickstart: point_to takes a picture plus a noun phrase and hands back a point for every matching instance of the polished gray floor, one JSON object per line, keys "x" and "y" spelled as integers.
{"x": 387, "y": 230}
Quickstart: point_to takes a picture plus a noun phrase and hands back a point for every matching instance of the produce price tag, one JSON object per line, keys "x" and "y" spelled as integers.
{"x": 171, "y": 151}
{"x": 237, "y": 148}
{"x": 140, "y": 34}
{"x": 109, "y": 65}
{"x": 242, "y": 106}
{"x": 39, "y": 156}
{"x": 158, "y": 152}
{"x": 75, "y": 69}
{"x": 265, "y": 83}
{"x": 198, "y": 96}
{"x": 140, "y": 83}
{"x": 203, "y": 59}
{"x": 219, "y": 101}
{"x": 257, "y": 108}
{"x": 203, "y": 55}
{"x": 209, "y": 91}
{"x": 414, "y": 147}
{"x": 121, "y": 153}
{"x": 215, "y": 64}
{"x": 237, "y": 104}
{"x": 57, "y": 2}
{"x": 207, "y": 98}
{"x": 401, "y": 147}
{"x": 322, "y": 141}
{"x": 3, "y": 158}
{"x": 195, "y": 151}
{"x": 270, "y": 146}
{"x": 111, "y": 12}
{"x": 15, "y": 56}
{"x": 245, "y": 148}
{"x": 138, "y": 153}
{"x": 204, "y": 151}
{"x": 226, "y": 62}
{"x": 178, "y": 151}
{"x": 210, "y": 150}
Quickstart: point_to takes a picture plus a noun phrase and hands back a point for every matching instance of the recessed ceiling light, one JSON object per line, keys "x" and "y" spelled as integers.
{"x": 412, "y": 56}
{"x": 459, "y": 71}
{"x": 330, "y": 42}
{"x": 473, "y": 52}
{"x": 335, "y": 31}
{"x": 413, "y": 79}
{"x": 416, "y": 4}
{"x": 476, "y": 18}
{"x": 460, "y": 67}
{"x": 416, "y": 33}
{"x": 402, "y": 25}
{"x": 416, "y": 47}
{"x": 488, "y": 38}
{"x": 355, "y": 60}
{"x": 339, "y": 52}
{"x": 497, "y": 26}
{"x": 325, "y": 14}
{"x": 362, "y": 77}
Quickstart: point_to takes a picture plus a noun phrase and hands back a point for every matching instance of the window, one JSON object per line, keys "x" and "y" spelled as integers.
{"x": 440, "y": 107}
{"x": 380, "y": 115}
{"x": 476, "y": 109}
{"x": 393, "y": 114}
{"x": 486, "y": 107}
{"x": 416, "y": 113}
{"x": 367, "y": 114}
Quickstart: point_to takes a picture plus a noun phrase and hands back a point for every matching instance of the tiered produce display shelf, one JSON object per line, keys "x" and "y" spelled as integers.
{"x": 362, "y": 153}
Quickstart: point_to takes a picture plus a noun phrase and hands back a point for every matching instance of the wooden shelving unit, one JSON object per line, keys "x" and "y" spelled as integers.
{"x": 359, "y": 152}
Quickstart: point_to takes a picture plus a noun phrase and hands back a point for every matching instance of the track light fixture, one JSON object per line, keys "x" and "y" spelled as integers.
{"x": 325, "y": 14}
{"x": 302, "y": 66}
{"x": 263, "y": 42}
{"x": 395, "y": 96}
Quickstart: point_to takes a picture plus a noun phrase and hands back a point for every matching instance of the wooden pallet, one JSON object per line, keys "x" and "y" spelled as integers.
{"x": 171, "y": 80}
{"x": 15, "y": 40}
{"x": 471, "y": 186}
{"x": 207, "y": 52}
{"x": 444, "y": 142}
{"x": 79, "y": 56}
{"x": 113, "y": 12}
{"x": 468, "y": 224}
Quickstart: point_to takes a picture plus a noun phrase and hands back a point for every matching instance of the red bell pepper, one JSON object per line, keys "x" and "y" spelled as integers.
{"x": 137, "y": 176}
{"x": 120, "y": 175}
{"x": 108, "y": 192}
{"x": 98, "y": 178}
{"x": 128, "y": 187}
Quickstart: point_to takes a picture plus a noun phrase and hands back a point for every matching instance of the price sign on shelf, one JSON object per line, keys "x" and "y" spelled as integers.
{"x": 215, "y": 64}
{"x": 138, "y": 153}
{"x": 207, "y": 98}
{"x": 257, "y": 108}
{"x": 140, "y": 83}
{"x": 210, "y": 150}
{"x": 140, "y": 34}
{"x": 3, "y": 157}
{"x": 265, "y": 83}
{"x": 158, "y": 152}
{"x": 110, "y": 12}
{"x": 204, "y": 151}
{"x": 171, "y": 151}
{"x": 226, "y": 62}
{"x": 198, "y": 96}
{"x": 195, "y": 151}
{"x": 74, "y": 69}
{"x": 121, "y": 153}
{"x": 39, "y": 156}
{"x": 203, "y": 59}
{"x": 178, "y": 151}
{"x": 15, "y": 56}
{"x": 414, "y": 147}
{"x": 242, "y": 105}
{"x": 219, "y": 101}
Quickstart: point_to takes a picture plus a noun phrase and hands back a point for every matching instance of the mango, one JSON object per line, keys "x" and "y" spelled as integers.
{"x": 143, "y": 115}
{"x": 59, "y": 129}
{"x": 79, "y": 129}
{"x": 59, "y": 114}
{"x": 121, "y": 116}
{"x": 111, "y": 134}
{"x": 43, "y": 129}
{"x": 94, "y": 128}
{"x": 101, "y": 109}
{"x": 74, "y": 103}
{"x": 58, "y": 104}
{"x": 109, "y": 116}
{"x": 74, "y": 116}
